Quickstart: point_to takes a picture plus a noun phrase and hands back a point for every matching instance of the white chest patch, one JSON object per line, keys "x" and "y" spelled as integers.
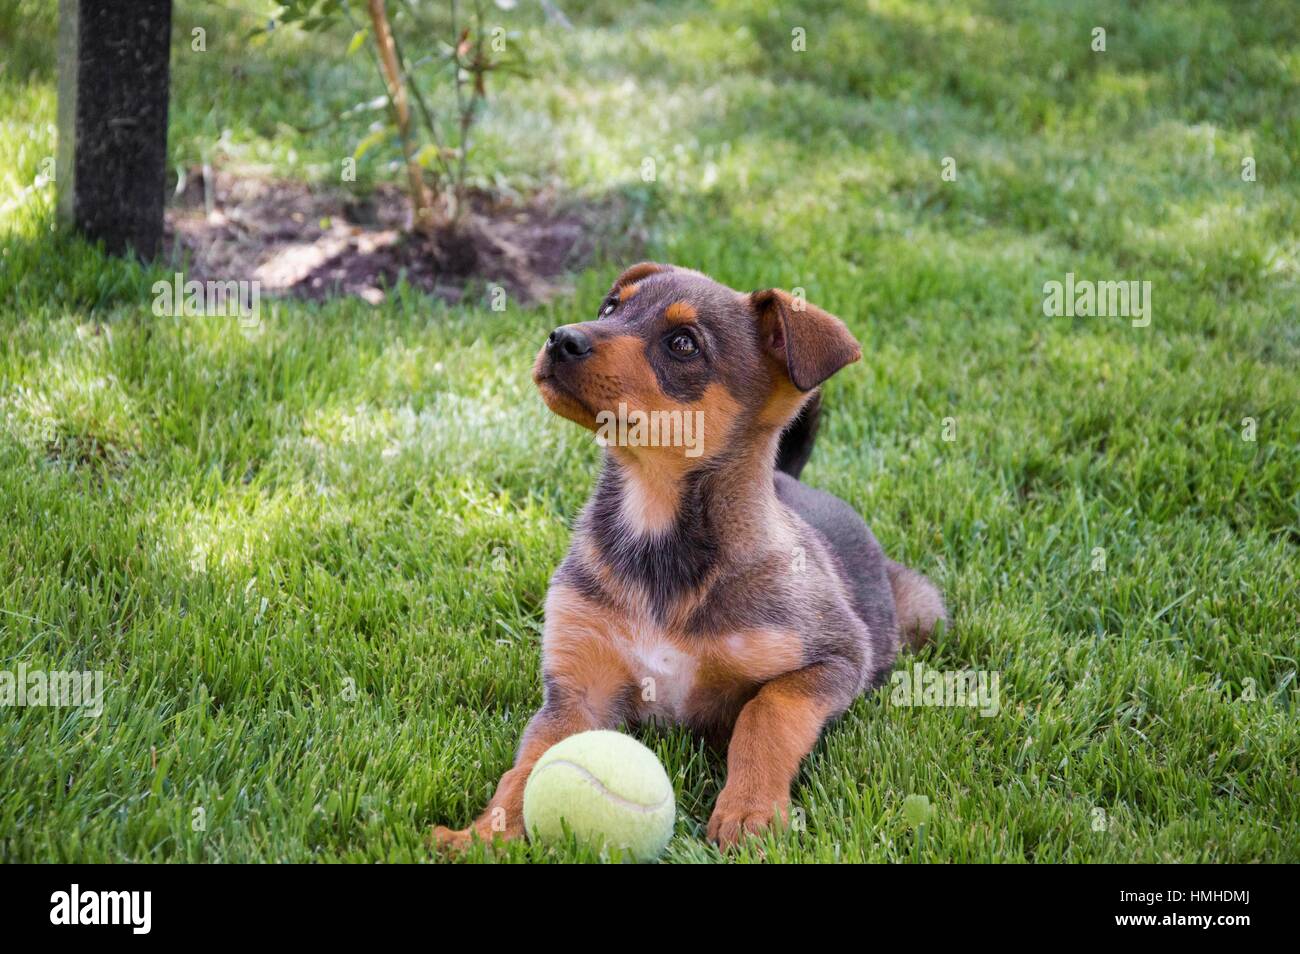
{"x": 664, "y": 673}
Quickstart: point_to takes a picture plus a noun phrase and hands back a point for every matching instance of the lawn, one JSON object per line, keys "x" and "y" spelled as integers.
{"x": 310, "y": 556}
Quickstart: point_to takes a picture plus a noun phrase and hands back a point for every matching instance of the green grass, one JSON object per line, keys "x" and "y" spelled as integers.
{"x": 238, "y": 526}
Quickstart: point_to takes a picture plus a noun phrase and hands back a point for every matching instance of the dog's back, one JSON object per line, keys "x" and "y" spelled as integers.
{"x": 897, "y": 603}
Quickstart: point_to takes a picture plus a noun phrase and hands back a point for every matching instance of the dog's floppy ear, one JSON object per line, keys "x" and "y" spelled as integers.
{"x": 812, "y": 343}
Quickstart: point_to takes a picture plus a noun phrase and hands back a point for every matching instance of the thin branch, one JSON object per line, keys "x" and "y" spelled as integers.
{"x": 422, "y": 104}
{"x": 460, "y": 107}
{"x": 423, "y": 205}
{"x": 465, "y": 109}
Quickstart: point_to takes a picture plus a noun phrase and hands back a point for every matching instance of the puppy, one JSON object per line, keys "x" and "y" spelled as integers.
{"x": 705, "y": 585}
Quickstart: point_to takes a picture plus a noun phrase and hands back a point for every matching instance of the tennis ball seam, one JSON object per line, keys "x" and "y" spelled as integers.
{"x": 603, "y": 789}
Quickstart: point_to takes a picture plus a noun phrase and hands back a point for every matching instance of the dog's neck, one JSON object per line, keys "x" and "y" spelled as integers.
{"x": 670, "y": 530}
{"x": 731, "y": 496}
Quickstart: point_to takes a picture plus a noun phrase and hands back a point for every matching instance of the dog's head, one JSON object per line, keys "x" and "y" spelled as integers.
{"x": 672, "y": 342}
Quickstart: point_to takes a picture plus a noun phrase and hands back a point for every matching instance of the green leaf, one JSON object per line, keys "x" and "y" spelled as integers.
{"x": 916, "y": 810}
{"x": 426, "y": 155}
{"x": 370, "y": 141}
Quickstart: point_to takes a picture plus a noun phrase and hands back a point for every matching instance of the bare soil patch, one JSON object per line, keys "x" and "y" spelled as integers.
{"x": 315, "y": 243}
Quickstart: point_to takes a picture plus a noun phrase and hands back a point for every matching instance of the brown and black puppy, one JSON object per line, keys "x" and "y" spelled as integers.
{"x": 705, "y": 584}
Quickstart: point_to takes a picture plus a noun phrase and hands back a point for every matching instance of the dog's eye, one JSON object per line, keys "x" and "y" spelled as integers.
{"x": 608, "y": 307}
{"x": 682, "y": 345}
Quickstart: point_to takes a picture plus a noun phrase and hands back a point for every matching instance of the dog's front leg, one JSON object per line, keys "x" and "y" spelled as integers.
{"x": 587, "y": 687}
{"x": 773, "y": 732}
{"x": 504, "y": 815}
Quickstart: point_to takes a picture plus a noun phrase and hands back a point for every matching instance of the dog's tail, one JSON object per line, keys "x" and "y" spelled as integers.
{"x": 798, "y": 437}
{"x": 918, "y": 604}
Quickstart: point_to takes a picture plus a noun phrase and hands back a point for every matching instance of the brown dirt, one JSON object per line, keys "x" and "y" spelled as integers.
{"x": 315, "y": 243}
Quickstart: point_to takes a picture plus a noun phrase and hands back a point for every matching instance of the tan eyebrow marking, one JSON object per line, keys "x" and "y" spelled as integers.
{"x": 627, "y": 291}
{"x": 639, "y": 271}
{"x": 681, "y": 311}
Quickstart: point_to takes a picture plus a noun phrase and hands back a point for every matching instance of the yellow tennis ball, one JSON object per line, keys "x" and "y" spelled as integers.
{"x": 608, "y": 787}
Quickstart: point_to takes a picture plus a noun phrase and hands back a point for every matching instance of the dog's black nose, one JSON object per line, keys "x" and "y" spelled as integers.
{"x": 568, "y": 343}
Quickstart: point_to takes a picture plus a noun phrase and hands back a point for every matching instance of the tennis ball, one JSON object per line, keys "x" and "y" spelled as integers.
{"x": 608, "y": 787}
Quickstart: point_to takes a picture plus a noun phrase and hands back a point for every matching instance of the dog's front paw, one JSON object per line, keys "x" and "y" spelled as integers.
{"x": 450, "y": 840}
{"x": 737, "y": 815}
{"x": 488, "y": 829}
